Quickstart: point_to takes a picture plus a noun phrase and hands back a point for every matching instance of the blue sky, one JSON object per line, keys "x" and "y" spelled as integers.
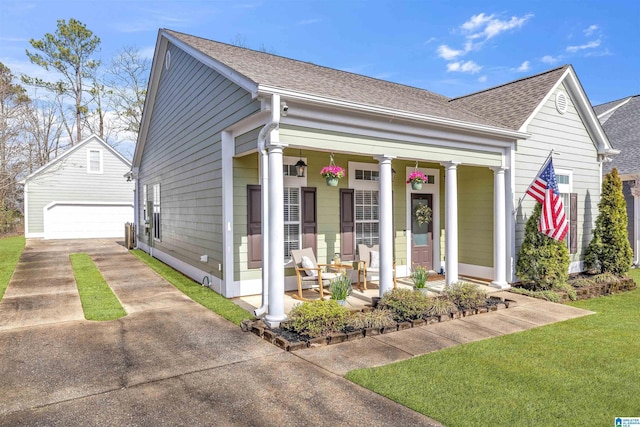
{"x": 448, "y": 47}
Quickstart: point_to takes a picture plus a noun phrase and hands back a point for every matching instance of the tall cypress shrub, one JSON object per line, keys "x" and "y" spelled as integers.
{"x": 542, "y": 261}
{"x": 609, "y": 249}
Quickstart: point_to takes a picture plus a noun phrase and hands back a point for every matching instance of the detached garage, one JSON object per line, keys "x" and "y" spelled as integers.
{"x": 81, "y": 194}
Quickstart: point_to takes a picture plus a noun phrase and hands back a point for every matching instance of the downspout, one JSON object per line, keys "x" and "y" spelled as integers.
{"x": 264, "y": 182}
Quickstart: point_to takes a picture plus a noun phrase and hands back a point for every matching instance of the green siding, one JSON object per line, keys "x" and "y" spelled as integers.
{"x": 475, "y": 216}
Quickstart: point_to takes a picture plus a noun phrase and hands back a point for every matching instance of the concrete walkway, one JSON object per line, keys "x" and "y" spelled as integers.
{"x": 168, "y": 362}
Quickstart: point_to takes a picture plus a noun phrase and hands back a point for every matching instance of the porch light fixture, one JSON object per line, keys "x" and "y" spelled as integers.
{"x": 300, "y": 167}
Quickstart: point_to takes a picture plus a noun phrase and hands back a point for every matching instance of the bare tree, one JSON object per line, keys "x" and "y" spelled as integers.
{"x": 13, "y": 106}
{"x": 127, "y": 78}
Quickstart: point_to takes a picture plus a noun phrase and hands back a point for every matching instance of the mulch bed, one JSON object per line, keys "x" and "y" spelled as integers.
{"x": 291, "y": 341}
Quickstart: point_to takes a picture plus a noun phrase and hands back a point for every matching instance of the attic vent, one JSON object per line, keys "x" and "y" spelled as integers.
{"x": 561, "y": 102}
{"x": 167, "y": 60}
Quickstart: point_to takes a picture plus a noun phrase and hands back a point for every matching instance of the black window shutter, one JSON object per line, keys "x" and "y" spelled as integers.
{"x": 254, "y": 226}
{"x": 309, "y": 219}
{"x": 573, "y": 223}
{"x": 347, "y": 225}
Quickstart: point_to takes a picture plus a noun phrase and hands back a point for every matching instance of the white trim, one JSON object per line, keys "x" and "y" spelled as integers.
{"x": 479, "y": 271}
{"x": 614, "y": 108}
{"x": 26, "y": 212}
{"x": 228, "y": 260}
{"x": 189, "y": 270}
{"x": 434, "y": 190}
{"x": 85, "y": 203}
{"x": 456, "y": 124}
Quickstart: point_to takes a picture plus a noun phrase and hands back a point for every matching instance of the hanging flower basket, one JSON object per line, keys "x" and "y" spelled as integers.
{"x": 332, "y": 174}
{"x": 423, "y": 214}
{"x": 416, "y": 179}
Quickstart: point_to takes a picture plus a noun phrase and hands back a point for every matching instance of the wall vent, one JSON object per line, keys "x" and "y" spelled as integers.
{"x": 167, "y": 60}
{"x": 561, "y": 102}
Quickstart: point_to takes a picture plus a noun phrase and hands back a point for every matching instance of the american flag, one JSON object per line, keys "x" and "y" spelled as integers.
{"x": 553, "y": 221}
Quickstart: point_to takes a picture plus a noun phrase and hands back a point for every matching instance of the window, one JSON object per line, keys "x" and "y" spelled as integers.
{"x": 145, "y": 199}
{"x": 94, "y": 161}
{"x": 291, "y": 220}
{"x": 563, "y": 177}
{"x": 156, "y": 211}
{"x": 364, "y": 179}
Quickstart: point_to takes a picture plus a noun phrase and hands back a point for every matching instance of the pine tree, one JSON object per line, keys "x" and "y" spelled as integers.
{"x": 542, "y": 262}
{"x": 609, "y": 249}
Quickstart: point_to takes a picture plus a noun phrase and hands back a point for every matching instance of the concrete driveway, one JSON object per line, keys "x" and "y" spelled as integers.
{"x": 168, "y": 362}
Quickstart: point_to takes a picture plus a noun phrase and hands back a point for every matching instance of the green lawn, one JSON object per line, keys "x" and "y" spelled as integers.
{"x": 200, "y": 294}
{"x": 98, "y": 300}
{"x": 582, "y": 372}
{"x": 10, "y": 250}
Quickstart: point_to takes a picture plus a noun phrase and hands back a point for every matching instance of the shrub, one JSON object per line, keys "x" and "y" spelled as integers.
{"x": 609, "y": 249}
{"x": 317, "y": 318}
{"x": 542, "y": 261}
{"x": 582, "y": 283}
{"x": 372, "y": 319}
{"x": 606, "y": 278}
{"x": 465, "y": 295}
{"x": 340, "y": 287}
{"x": 405, "y": 304}
{"x": 419, "y": 277}
{"x": 440, "y": 306}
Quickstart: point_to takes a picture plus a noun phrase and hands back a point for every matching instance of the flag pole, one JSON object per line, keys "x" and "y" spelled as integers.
{"x": 538, "y": 173}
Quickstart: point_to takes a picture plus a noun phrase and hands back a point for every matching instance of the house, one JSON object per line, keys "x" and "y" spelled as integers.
{"x": 621, "y": 121}
{"x": 80, "y": 194}
{"x": 219, "y": 197}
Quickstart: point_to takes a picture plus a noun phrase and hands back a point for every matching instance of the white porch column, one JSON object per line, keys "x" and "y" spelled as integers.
{"x": 499, "y": 230}
{"x": 386, "y": 224}
{"x": 451, "y": 221}
{"x": 635, "y": 192}
{"x": 275, "y": 256}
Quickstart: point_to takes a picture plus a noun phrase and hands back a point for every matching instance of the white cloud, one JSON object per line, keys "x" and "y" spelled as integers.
{"x": 548, "y": 59}
{"x": 476, "y": 22}
{"x": 524, "y": 67}
{"x": 432, "y": 39}
{"x": 482, "y": 79}
{"x": 464, "y": 67}
{"x": 591, "y": 45}
{"x": 590, "y": 30}
{"x": 487, "y": 26}
{"x": 447, "y": 53}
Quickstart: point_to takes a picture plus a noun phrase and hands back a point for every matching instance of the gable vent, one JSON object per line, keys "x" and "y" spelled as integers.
{"x": 561, "y": 102}
{"x": 167, "y": 60}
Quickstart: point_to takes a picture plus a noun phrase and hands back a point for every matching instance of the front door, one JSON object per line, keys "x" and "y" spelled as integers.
{"x": 421, "y": 234}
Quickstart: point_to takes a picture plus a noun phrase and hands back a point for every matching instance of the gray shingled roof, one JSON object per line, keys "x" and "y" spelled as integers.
{"x": 512, "y": 103}
{"x": 623, "y": 130}
{"x": 272, "y": 70}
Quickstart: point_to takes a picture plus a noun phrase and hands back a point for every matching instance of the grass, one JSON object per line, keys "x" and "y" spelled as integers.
{"x": 200, "y": 294}
{"x": 98, "y": 300}
{"x": 10, "y": 250}
{"x": 584, "y": 371}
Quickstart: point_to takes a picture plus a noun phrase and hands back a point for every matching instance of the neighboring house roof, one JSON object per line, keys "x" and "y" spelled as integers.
{"x": 264, "y": 69}
{"x": 511, "y": 104}
{"x": 621, "y": 121}
{"x": 76, "y": 147}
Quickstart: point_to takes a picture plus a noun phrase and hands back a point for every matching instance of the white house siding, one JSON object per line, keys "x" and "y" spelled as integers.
{"x": 67, "y": 180}
{"x": 576, "y": 152}
{"x": 193, "y": 105}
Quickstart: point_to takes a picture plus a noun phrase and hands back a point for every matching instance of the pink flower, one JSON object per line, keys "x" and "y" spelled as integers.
{"x": 416, "y": 176}
{"x": 332, "y": 172}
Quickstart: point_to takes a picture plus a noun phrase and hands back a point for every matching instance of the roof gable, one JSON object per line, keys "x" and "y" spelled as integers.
{"x": 511, "y": 104}
{"x": 622, "y": 126}
{"x": 75, "y": 148}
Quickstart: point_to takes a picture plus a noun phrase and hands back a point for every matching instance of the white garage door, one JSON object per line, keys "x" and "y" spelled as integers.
{"x": 86, "y": 220}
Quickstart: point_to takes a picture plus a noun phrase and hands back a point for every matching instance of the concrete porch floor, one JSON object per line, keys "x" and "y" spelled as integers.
{"x": 358, "y": 299}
